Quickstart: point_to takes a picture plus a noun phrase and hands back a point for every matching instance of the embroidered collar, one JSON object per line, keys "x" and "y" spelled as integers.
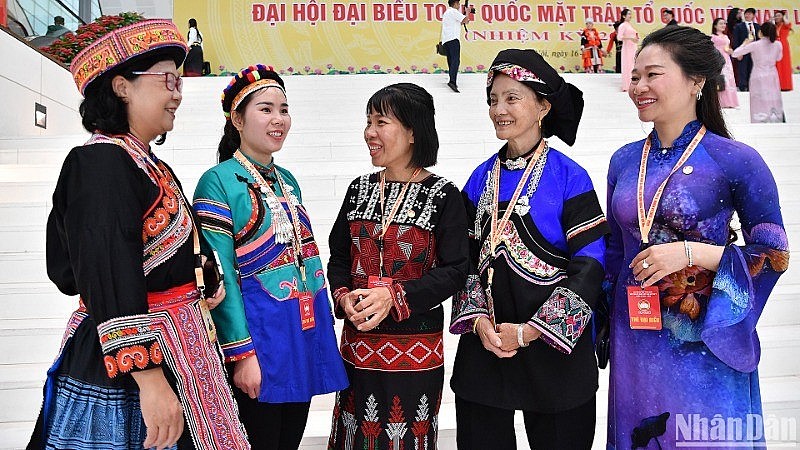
{"x": 661, "y": 153}
{"x": 520, "y": 161}
{"x": 266, "y": 171}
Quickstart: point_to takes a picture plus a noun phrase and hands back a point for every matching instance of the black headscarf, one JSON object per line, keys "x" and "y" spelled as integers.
{"x": 529, "y": 68}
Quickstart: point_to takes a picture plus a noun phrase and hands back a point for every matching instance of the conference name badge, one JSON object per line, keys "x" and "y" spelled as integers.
{"x": 644, "y": 308}
{"x": 306, "y": 302}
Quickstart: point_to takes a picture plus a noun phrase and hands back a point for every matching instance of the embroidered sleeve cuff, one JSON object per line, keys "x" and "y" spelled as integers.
{"x": 400, "y": 309}
{"x": 129, "y": 343}
{"x": 236, "y": 351}
{"x": 214, "y": 216}
{"x": 562, "y": 319}
{"x": 338, "y": 311}
{"x": 468, "y": 304}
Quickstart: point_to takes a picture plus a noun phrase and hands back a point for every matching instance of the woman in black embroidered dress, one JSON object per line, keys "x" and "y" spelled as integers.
{"x": 138, "y": 366}
{"x": 398, "y": 250}
{"x": 537, "y": 253}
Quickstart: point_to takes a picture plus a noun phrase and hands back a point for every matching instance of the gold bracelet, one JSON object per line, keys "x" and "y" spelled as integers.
{"x": 475, "y": 325}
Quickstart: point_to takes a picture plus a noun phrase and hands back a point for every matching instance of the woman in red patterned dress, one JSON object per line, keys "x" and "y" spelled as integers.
{"x": 398, "y": 250}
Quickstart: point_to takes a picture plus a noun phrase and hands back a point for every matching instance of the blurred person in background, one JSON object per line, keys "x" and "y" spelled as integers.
{"x": 766, "y": 104}
{"x": 783, "y": 28}
{"x": 728, "y": 97}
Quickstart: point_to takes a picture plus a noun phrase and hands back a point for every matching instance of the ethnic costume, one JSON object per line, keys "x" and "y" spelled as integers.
{"x": 702, "y": 363}
{"x": 548, "y": 270}
{"x": 251, "y": 227}
{"x": 396, "y": 370}
{"x": 120, "y": 235}
{"x": 591, "y": 48}
{"x": 277, "y": 313}
{"x": 536, "y": 253}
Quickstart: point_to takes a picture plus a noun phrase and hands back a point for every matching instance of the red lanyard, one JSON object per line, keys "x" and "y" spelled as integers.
{"x": 387, "y": 220}
{"x": 646, "y": 220}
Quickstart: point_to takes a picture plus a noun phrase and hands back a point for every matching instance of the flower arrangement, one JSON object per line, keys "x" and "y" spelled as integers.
{"x": 70, "y": 44}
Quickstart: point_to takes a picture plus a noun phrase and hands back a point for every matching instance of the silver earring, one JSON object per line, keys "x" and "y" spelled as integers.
{"x": 699, "y": 94}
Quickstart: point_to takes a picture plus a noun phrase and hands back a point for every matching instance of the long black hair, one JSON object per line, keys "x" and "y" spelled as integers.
{"x": 733, "y": 18}
{"x": 695, "y": 54}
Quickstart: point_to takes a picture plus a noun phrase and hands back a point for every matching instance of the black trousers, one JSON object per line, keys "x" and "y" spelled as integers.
{"x": 272, "y": 426}
{"x": 745, "y": 66}
{"x": 453, "y": 49}
{"x": 480, "y": 427}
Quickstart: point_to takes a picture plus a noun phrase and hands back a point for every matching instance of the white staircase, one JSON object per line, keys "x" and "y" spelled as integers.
{"x": 325, "y": 151}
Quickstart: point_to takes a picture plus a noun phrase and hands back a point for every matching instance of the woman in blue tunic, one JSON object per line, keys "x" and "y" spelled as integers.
{"x": 536, "y": 247}
{"x": 684, "y": 349}
{"x": 276, "y": 324}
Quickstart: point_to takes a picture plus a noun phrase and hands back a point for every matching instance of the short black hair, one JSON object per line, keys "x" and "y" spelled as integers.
{"x": 668, "y": 11}
{"x": 58, "y": 20}
{"x": 750, "y": 10}
{"x": 413, "y": 107}
{"x": 450, "y": 2}
{"x": 101, "y": 109}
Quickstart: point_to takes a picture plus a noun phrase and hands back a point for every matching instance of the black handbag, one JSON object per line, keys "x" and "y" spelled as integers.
{"x": 602, "y": 329}
{"x": 440, "y": 49}
{"x": 213, "y": 275}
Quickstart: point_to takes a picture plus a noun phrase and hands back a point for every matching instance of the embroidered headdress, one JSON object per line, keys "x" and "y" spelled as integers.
{"x": 529, "y": 68}
{"x": 115, "y": 49}
{"x": 244, "y": 83}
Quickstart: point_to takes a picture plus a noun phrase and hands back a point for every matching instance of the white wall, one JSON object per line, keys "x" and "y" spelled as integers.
{"x": 27, "y": 77}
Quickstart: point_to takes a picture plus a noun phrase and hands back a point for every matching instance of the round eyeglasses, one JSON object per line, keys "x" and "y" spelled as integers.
{"x": 170, "y": 80}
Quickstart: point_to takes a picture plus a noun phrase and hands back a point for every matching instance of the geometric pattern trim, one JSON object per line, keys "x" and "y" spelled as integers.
{"x": 562, "y": 319}
{"x": 392, "y": 353}
{"x": 468, "y": 304}
{"x": 407, "y": 251}
{"x": 209, "y": 409}
{"x": 167, "y": 224}
{"x": 121, "y": 45}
